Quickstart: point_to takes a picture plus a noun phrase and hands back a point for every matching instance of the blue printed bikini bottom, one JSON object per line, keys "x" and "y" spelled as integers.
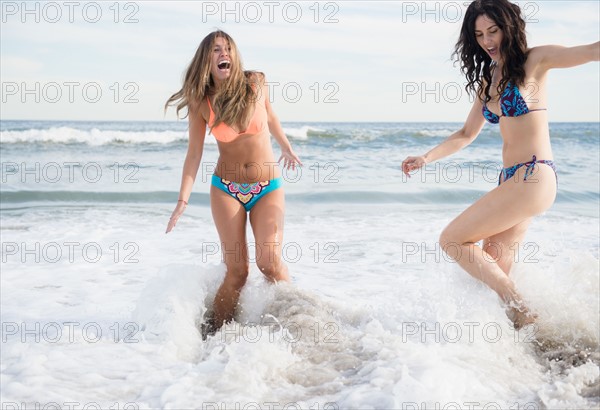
{"x": 247, "y": 194}
{"x": 508, "y": 173}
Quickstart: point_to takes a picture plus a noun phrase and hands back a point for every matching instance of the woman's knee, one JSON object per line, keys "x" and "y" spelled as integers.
{"x": 495, "y": 250}
{"x": 447, "y": 238}
{"x": 499, "y": 253}
{"x": 450, "y": 243}
{"x": 271, "y": 267}
{"x": 237, "y": 275}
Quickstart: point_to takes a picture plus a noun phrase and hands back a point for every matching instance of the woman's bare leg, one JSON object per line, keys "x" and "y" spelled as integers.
{"x": 513, "y": 203}
{"x": 266, "y": 218}
{"x": 504, "y": 246}
{"x": 230, "y": 219}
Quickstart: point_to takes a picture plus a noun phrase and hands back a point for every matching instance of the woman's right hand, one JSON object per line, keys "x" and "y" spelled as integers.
{"x": 176, "y": 214}
{"x": 412, "y": 164}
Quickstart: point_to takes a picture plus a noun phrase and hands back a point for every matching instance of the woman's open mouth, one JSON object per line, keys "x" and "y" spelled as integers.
{"x": 224, "y": 65}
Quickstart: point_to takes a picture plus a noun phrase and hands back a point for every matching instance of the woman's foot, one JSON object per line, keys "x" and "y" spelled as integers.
{"x": 209, "y": 326}
{"x": 520, "y": 315}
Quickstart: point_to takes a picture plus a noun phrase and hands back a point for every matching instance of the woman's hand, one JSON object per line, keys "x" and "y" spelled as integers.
{"x": 176, "y": 214}
{"x": 412, "y": 163}
{"x": 289, "y": 159}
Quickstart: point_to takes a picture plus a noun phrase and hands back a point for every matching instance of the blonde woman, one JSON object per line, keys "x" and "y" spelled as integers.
{"x": 234, "y": 105}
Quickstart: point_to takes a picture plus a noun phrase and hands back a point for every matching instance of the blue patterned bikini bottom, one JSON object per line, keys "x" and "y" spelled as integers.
{"x": 508, "y": 173}
{"x": 247, "y": 194}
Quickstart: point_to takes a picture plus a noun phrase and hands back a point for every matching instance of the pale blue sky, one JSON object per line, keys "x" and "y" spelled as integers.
{"x": 374, "y": 61}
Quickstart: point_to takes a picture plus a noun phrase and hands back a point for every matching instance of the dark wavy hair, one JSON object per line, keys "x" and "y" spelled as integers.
{"x": 475, "y": 63}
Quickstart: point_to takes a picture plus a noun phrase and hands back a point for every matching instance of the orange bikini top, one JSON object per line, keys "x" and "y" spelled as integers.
{"x": 224, "y": 133}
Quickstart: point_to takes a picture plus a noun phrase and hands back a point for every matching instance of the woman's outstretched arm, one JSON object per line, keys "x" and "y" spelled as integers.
{"x": 290, "y": 159}
{"x": 564, "y": 57}
{"x": 193, "y": 157}
{"x": 452, "y": 144}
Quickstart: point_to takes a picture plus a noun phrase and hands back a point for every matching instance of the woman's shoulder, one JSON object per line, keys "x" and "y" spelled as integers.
{"x": 537, "y": 54}
{"x": 256, "y": 77}
{"x": 536, "y": 57}
{"x": 200, "y": 107}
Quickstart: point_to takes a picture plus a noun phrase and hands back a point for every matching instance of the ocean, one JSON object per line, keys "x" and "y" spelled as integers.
{"x": 101, "y": 309}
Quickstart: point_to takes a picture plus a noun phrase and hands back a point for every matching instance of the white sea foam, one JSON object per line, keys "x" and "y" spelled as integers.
{"x": 93, "y": 136}
{"x": 436, "y": 133}
{"x": 302, "y": 132}
{"x": 358, "y": 332}
{"x": 375, "y": 316}
{"x": 96, "y": 136}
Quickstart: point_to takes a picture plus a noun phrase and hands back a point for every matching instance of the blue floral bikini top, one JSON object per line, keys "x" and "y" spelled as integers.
{"x": 512, "y": 104}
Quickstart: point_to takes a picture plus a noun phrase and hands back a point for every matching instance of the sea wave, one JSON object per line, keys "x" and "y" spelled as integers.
{"x": 303, "y": 132}
{"x": 94, "y": 136}
{"x": 439, "y": 196}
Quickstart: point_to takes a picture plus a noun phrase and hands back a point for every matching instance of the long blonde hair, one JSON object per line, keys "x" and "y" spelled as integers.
{"x": 233, "y": 100}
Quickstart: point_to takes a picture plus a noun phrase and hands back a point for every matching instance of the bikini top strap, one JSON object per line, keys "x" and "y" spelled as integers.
{"x": 211, "y": 114}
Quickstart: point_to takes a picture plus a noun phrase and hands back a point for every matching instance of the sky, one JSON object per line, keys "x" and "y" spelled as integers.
{"x": 330, "y": 61}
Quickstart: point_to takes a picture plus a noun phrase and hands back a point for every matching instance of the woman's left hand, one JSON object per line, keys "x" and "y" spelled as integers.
{"x": 290, "y": 159}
